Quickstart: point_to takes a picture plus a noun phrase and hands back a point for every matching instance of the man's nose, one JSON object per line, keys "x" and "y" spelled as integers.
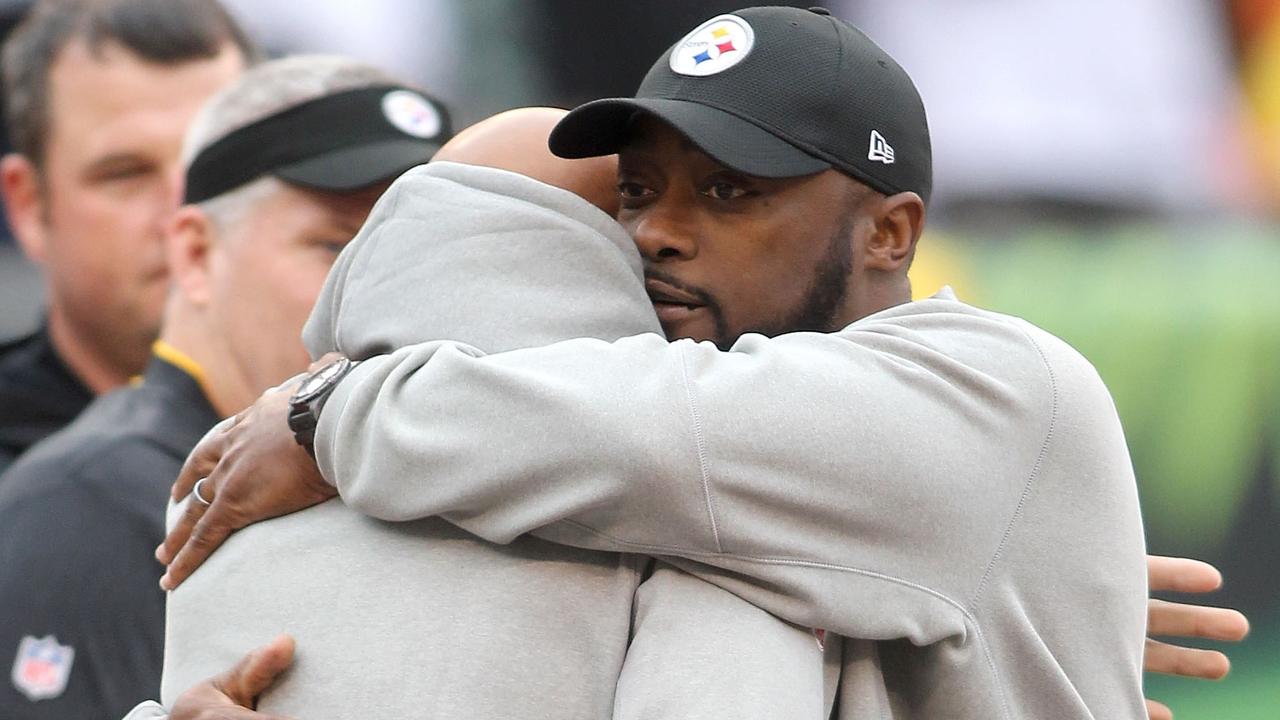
{"x": 168, "y": 197}
{"x": 175, "y": 186}
{"x": 666, "y": 234}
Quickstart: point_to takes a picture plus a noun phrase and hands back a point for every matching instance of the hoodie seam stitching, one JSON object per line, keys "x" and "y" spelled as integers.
{"x": 697, "y": 555}
{"x": 1036, "y": 468}
{"x": 700, "y": 443}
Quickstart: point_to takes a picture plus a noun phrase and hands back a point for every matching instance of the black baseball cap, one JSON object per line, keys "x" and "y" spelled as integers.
{"x": 340, "y": 142}
{"x": 775, "y": 92}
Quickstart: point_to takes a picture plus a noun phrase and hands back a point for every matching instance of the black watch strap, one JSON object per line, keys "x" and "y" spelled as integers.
{"x": 309, "y": 399}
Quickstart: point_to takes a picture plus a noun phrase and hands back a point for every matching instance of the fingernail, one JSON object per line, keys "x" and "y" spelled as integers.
{"x": 164, "y": 582}
{"x": 160, "y": 552}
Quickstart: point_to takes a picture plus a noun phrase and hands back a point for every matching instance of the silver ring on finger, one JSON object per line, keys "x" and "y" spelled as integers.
{"x": 196, "y": 492}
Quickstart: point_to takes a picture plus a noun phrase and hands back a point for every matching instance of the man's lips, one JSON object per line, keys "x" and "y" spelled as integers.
{"x": 670, "y": 303}
{"x": 661, "y": 292}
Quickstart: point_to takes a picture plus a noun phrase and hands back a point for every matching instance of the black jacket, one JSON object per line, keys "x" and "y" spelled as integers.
{"x": 38, "y": 394}
{"x": 80, "y": 517}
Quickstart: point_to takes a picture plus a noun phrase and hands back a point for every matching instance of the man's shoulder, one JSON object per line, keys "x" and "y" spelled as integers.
{"x": 1033, "y": 369}
{"x": 13, "y": 348}
{"x": 943, "y": 328}
{"x": 38, "y": 395}
{"x": 1067, "y": 366}
{"x": 945, "y": 319}
{"x": 29, "y": 365}
{"x": 128, "y": 443}
{"x": 69, "y": 516}
{"x": 119, "y": 470}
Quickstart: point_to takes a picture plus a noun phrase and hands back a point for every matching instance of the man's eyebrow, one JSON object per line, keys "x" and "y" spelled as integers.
{"x": 728, "y": 173}
{"x": 637, "y": 141}
{"x": 633, "y": 146}
{"x": 118, "y": 158}
{"x": 630, "y": 156}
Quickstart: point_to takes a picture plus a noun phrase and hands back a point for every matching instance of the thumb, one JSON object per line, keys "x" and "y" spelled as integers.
{"x": 256, "y": 671}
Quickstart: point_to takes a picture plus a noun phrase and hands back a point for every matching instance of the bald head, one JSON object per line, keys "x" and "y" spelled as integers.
{"x": 516, "y": 140}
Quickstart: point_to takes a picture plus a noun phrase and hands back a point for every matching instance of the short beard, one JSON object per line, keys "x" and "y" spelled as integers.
{"x": 826, "y": 294}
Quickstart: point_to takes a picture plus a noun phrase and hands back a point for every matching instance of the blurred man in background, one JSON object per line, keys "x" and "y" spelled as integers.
{"x": 98, "y": 96}
{"x": 282, "y": 169}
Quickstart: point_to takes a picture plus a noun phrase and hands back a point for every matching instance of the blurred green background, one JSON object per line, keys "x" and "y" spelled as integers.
{"x": 1183, "y": 323}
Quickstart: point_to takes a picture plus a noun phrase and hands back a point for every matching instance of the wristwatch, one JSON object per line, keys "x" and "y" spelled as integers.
{"x": 305, "y": 405}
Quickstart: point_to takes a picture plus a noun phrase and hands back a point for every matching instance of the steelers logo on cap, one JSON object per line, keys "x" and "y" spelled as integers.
{"x": 714, "y": 46}
{"x": 411, "y": 113}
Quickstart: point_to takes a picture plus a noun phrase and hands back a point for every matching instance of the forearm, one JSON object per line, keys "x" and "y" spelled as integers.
{"x": 437, "y": 430}
{"x": 770, "y": 469}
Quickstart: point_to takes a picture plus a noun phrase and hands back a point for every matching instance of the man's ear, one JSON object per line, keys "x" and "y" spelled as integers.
{"x": 24, "y": 204}
{"x": 189, "y": 238}
{"x": 899, "y": 222}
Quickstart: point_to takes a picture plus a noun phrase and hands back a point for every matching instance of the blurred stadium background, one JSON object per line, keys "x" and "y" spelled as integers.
{"x": 1108, "y": 170}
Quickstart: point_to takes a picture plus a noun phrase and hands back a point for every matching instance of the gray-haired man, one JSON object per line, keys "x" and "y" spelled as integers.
{"x": 282, "y": 169}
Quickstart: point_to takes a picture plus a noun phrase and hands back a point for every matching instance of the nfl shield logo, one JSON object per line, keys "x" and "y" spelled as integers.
{"x": 42, "y": 667}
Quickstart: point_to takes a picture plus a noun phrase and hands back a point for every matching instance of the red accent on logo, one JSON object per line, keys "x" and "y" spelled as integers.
{"x": 40, "y": 673}
{"x": 726, "y": 46}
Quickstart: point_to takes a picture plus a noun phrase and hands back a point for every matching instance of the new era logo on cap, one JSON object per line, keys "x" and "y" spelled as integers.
{"x": 880, "y": 150}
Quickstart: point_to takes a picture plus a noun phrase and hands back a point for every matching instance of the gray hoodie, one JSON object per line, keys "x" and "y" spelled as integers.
{"x": 950, "y": 486}
{"x": 421, "y": 619}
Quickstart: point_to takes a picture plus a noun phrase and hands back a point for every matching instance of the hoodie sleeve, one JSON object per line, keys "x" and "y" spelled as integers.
{"x": 800, "y": 472}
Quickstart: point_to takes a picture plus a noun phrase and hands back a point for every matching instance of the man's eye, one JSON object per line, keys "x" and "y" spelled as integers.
{"x": 632, "y": 190}
{"x": 330, "y": 246}
{"x": 724, "y": 191}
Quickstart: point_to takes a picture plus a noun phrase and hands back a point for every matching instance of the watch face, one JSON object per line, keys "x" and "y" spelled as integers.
{"x": 318, "y": 380}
